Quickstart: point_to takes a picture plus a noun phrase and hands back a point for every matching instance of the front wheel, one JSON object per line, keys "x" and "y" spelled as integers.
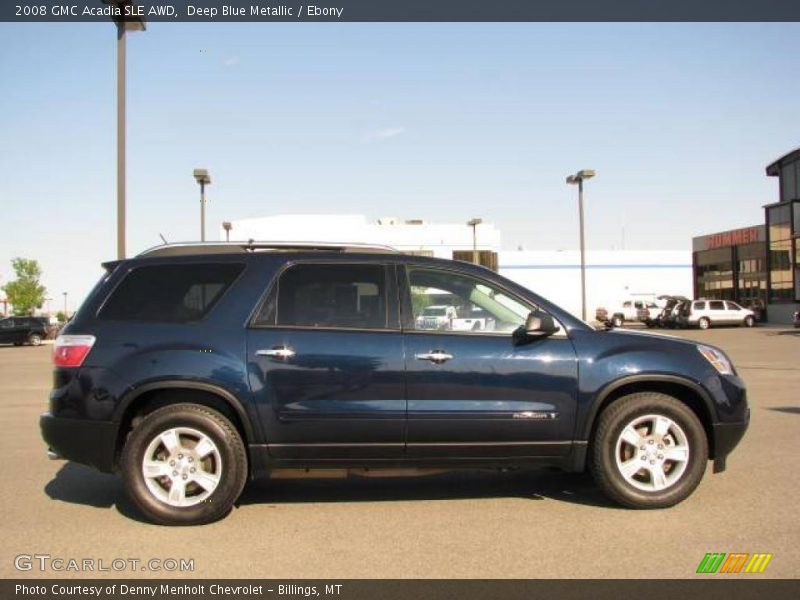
{"x": 35, "y": 339}
{"x": 749, "y": 321}
{"x": 649, "y": 451}
{"x": 184, "y": 464}
{"x": 617, "y": 321}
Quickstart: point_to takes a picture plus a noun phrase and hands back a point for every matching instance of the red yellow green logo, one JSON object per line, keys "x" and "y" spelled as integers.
{"x": 735, "y": 562}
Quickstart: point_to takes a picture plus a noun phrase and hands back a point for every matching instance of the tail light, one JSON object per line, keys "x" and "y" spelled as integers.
{"x": 71, "y": 350}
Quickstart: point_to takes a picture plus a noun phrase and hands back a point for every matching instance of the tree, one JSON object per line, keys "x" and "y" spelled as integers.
{"x": 25, "y": 293}
{"x": 61, "y": 316}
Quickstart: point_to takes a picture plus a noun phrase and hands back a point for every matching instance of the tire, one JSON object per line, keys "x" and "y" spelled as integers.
{"x": 35, "y": 339}
{"x": 704, "y": 323}
{"x": 221, "y": 465}
{"x": 662, "y": 482}
{"x": 749, "y": 321}
{"x": 617, "y": 321}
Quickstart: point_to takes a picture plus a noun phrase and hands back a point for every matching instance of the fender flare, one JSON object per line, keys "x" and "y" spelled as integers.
{"x": 129, "y": 397}
{"x": 609, "y": 388}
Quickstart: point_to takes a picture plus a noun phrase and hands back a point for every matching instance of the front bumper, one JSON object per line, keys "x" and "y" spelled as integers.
{"x": 726, "y": 437}
{"x": 84, "y": 441}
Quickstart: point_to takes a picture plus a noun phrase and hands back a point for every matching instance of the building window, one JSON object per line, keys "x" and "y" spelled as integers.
{"x": 790, "y": 181}
{"x": 781, "y": 264}
{"x": 714, "y": 274}
{"x": 751, "y": 288}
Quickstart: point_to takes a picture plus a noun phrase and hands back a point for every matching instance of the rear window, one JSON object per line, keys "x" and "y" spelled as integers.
{"x": 347, "y": 296}
{"x": 169, "y": 293}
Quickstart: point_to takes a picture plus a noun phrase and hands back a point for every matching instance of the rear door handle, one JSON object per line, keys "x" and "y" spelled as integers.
{"x": 435, "y": 356}
{"x": 276, "y": 352}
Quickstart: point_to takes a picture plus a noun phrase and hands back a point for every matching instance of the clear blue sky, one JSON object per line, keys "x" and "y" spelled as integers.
{"x": 436, "y": 121}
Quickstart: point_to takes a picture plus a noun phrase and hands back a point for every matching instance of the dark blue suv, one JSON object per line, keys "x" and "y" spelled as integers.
{"x": 191, "y": 368}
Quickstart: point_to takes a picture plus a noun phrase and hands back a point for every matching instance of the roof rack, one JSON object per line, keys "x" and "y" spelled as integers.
{"x": 251, "y": 246}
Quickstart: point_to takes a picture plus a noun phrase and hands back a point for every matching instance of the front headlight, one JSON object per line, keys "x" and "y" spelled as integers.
{"x": 719, "y": 361}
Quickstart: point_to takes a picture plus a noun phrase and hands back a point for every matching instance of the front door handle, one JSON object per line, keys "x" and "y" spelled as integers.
{"x": 435, "y": 356}
{"x": 276, "y": 352}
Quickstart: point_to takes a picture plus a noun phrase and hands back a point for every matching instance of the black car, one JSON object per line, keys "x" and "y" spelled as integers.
{"x": 193, "y": 368}
{"x": 23, "y": 330}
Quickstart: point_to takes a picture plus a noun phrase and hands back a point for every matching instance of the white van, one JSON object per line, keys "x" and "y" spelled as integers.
{"x": 705, "y": 313}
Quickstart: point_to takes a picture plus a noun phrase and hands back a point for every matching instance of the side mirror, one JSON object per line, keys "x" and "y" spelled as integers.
{"x": 538, "y": 324}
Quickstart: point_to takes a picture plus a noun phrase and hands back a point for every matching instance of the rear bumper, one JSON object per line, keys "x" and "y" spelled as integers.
{"x": 84, "y": 441}
{"x": 726, "y": 437}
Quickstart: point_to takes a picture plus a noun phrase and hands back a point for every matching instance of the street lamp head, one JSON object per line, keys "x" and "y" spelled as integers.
{"x": 474, "y": 222}
{"x": 580, "y": 176}
{"x": 202, "y": 176}
{"x": 128, "y": 14}
{"x": 226, "y": 225}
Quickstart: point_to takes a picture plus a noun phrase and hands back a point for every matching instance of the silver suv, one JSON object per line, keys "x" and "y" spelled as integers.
{"x": 705, "y": 313}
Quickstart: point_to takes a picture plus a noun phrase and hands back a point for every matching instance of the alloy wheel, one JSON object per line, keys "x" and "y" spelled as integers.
{"x": 182, "y": 466}
{"x": 652, "y": 452}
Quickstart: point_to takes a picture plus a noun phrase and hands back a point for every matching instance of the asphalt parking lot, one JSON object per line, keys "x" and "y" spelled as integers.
{"x": 526, "y": 524}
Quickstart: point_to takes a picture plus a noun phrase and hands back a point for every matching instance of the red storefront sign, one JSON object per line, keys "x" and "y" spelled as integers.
{"x": 732, "y": 238}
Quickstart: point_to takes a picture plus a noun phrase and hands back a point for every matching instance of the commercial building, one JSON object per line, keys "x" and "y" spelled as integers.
{"x": 411, "y": 236}
{"x": 757, "y": 265}
{"x": 732, "y": 265}
{"x": 611, "y": 276}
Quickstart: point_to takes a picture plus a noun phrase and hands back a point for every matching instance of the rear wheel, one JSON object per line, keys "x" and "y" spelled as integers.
{"x": 184, "y": 464}
{"x": 35, "y": 339}
{"x": 704, "y": 323}
{"x": 649, "y": 451}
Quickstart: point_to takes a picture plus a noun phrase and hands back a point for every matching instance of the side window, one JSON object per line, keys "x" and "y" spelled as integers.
{"x": 348, "y": 296}
{"x": 6, "y": 324}
{"x": 716, "y": 305}
{"x": 699, "y": 305}
{"x": 446, "y": 301}
{"x": 626, "y": 304}
{"x": 169, "y": 293}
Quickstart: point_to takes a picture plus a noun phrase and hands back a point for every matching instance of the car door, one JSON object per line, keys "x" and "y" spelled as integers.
{"x": 325, "y": 361}
{"x": 735, "y": 313}
{"x": 476, "y": 393}
{"x": 716, "y": 312}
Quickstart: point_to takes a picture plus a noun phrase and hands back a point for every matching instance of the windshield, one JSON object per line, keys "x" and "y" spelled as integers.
{"x": 434, "y": 311}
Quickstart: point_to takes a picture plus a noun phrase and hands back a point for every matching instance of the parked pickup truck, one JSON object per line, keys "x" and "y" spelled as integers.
{"x": 629, "y": 310}
{"x": 443, "y": 317}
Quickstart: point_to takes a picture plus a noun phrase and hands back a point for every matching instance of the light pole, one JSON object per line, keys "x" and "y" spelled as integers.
{"x": 124, "y": 24}
{"x": 227, "y": 226}
{"x": 572, "y": 180}
{"x": 474, "y": 224}
{"x": 66, "y": 314}
{"x": 204, "y": 179}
